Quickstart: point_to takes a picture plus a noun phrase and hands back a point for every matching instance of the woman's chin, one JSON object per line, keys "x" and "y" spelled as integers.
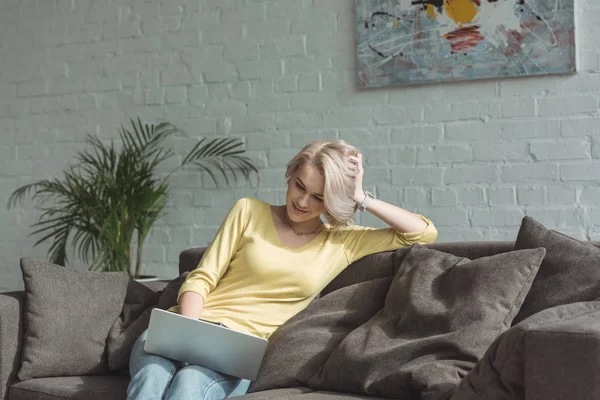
{"x": 297, "y": 216}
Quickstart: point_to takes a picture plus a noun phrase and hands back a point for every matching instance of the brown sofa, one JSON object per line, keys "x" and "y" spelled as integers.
{"x": 558, "y": 359}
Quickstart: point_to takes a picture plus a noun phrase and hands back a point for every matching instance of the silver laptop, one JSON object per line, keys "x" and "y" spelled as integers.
{"x": 205, "y": 343}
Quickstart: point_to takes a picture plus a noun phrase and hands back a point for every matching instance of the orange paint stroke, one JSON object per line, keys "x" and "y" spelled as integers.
{"x": 460, "y": 11}
{"x": 430, "y": 11}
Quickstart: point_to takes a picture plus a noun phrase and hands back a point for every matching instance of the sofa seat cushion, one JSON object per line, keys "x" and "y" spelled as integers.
{"x": 302, "y": 393}
{"x": 276, "y": 394}
{"x": 71, "y": 387}
{"x": 322, "y": 395}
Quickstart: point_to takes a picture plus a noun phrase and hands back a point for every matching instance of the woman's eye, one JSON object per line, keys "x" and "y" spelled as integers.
{"x": 299, "y": 187}
{"x": 318, "y": 199}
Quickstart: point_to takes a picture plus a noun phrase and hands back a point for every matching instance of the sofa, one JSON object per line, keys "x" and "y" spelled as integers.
{"x": 552, "y": 354}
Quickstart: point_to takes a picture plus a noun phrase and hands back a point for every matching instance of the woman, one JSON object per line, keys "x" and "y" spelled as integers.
{"x": 266, "y": 263}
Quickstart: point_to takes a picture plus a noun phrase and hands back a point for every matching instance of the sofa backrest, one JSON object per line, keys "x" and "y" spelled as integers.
{"x": 379, "y": 265}
{"x": 190, "y": 258}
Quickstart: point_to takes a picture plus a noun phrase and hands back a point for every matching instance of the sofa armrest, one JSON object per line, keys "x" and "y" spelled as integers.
{"x": 562, "y": 360}
{"x": 12, "y": 307}
{"x": 190, "y": 258}
{"x": 552, "y": 355}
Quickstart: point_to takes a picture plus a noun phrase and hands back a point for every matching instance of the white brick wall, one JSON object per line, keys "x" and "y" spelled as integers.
{"x": 473, "y": 156}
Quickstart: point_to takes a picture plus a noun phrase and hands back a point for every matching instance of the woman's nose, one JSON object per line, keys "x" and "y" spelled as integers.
{"x": 303, "y": 200}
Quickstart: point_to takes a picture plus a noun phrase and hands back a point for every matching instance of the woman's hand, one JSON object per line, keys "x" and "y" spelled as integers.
{"x": 401, "y": 220}
{"x": 190, "y": 304}
{"x": 359, "y": 194}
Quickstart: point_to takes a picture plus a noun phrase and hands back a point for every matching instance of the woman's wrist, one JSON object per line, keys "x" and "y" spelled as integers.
{"x": 191, "y": 304}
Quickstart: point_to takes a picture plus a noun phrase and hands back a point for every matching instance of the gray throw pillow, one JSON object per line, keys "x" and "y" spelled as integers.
{"x": 300, "y": 346}
{"x": 68, "y": 315}
{"x": 570, "y": 272}
{"x": 132, "y": 322}
{"x": 440, "y": 315}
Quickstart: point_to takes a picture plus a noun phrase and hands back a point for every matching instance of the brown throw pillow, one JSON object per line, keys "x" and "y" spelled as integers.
{"x": 168, "y": 297}
{"x": 570, "y": 272}
{"x": 440, "y": 315}
{"x": 133, "y": 320}
{"x": 300, "y": 346}
{"x": 68, "y": 315}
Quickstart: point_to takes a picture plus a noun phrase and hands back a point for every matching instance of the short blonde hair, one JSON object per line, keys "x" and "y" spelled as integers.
{"x": 332, "y": 159}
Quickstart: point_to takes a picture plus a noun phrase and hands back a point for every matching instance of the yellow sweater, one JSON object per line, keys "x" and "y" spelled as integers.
{"x": 253, "y": 283}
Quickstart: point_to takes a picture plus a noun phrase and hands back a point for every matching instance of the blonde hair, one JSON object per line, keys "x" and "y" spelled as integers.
{"x": 331, "y": 159}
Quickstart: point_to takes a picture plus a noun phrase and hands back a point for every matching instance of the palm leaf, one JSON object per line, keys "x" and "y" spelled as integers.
{"x": 209, "y": 165}
{"x": 113, "y": 193}
{"x": 220, "y": 155}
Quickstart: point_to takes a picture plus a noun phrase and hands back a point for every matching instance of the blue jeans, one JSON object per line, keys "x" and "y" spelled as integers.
{"x": 155, "y": 377}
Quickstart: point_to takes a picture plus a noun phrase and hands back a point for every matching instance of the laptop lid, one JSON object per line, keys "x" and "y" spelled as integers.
{"x": 205, "y": 344}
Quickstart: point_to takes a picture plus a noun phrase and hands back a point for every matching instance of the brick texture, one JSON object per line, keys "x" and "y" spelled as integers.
{"x": 474, "y": 156}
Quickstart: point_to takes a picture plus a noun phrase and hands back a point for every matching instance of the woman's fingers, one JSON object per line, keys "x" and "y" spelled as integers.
{"x": 357, "y": 160}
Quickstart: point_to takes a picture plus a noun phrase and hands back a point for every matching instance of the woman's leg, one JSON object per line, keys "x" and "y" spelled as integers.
{"x": 150, "y": 374}
{"x": 199, "y": 383}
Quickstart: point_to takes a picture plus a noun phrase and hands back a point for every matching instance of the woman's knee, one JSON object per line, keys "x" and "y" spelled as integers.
{"x": 142, "y": 361}
{"x": 202, "y": 383}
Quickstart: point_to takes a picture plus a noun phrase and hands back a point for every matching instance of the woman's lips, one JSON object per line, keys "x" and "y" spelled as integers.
{"x": 297, "y": 210}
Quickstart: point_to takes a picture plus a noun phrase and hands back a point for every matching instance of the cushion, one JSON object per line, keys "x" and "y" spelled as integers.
{"x": 440, "y": 315}
{"x": 570, "y": 271}
{"x": 168, "y": 297}
{"x": 299, "y": 347}
{"x": 307, "y": 394}
{"x": 132, "y": 322}
{"x": 501, "y": 373}
{"x": 71, "y": 387}
{"x": 135, "y": 318}
{"x": 68, "y": 314}
{"x": 278, "y": 394}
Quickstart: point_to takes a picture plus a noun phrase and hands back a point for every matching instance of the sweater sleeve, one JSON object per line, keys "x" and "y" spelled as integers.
{"x": 362, "y": 241}
{"x": 217, "y": 257}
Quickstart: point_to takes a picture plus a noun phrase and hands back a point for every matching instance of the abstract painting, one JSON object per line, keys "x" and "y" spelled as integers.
{"x": 402, "y": 42}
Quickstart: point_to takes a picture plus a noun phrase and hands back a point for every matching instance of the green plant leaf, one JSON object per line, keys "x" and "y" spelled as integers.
{"x": 113, "y": 193}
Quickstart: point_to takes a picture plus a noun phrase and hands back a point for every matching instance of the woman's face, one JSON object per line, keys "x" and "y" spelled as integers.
{"x": 304, "y": 197}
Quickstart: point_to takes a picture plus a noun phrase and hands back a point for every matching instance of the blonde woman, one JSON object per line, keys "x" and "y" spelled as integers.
{"x": 266, "y": 263}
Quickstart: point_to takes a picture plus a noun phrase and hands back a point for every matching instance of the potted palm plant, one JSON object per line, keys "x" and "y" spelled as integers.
{"x": 108, "y": 201}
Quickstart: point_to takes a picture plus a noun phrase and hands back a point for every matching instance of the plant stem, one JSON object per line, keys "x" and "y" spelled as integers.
{"x": 138, "y": 259}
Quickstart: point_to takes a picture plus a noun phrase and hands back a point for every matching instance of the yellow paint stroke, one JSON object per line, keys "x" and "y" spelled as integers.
{"x": 395, "y": 23}
{"x": 430, "y": 11}
{"x": 460, "y": 11}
